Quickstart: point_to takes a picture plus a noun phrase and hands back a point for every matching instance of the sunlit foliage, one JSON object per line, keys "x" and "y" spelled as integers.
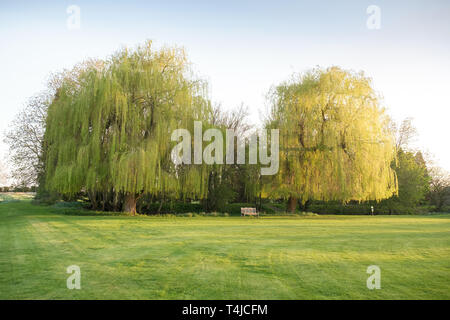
{"x": 110, "y": 130}
{"x": 334, "y": 138}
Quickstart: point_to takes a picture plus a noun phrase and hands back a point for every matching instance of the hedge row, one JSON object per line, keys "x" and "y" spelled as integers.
{"x": 364, "y": 209}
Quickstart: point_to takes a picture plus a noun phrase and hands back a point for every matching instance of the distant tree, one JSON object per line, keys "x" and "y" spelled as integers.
{"x": 25, "y": 140}
{"x": 405, "y": 134}
{"x": 335, "y": 143}
{"x": 3, "y": 175}
{"x": 231, "y": 182}
{"x": 410, "y": 167}
{"x": 413, "y": 178}
{"x": 439, "y": 187}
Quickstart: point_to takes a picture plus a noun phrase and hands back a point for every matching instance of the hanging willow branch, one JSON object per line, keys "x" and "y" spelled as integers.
{"x": 112, "y": 130}
{"x": 334, "y": 139}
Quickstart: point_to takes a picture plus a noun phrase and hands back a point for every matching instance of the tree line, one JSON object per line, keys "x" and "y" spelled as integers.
{"x": 101, "y": 133}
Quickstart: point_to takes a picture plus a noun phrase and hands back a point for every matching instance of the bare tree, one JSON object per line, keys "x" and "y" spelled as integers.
{"x": 229, "y": 182}
{"x": 405, "y": 134}
{"x": 234, "y": 119}
{"x": 439, "y": 187}
{"x": 25, "y": 140}
{"x": 3, "y": 175}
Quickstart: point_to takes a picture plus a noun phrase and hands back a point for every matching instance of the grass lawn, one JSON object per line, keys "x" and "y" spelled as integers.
{"x": 321, "y": 257}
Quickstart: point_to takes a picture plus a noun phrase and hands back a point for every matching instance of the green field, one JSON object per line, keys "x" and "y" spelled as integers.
{"x": 321, "y": 257}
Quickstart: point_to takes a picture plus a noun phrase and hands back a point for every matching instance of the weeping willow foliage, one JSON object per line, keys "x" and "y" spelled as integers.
{"x": 111, "y": 132}
{"x": 334, "y": 138}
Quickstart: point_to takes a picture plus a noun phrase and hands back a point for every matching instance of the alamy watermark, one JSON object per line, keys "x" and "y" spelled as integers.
{"x": 374, "y": 20}
{"x": 213, "y": 152}
{"x": 74, "y": 280}
{"x": 73, "y": 21}
{"x": 374, "y": 280}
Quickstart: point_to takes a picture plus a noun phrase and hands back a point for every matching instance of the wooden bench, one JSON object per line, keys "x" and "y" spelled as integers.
{"x": 249, "y": 212}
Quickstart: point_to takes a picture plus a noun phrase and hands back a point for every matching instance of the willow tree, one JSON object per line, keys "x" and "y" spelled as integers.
{"x": 109, "y": 132}
{"x": 26, "y": 134}
{"x": 334, "y": 139}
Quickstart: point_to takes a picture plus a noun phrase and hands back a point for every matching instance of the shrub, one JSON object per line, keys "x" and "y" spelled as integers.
{"x": 171, "y": 207}
{"x": 69, "y": 204}
{"x": 384, "y": 207}
{"x": 265, "y": 208}
{"x": 46, "y": 198}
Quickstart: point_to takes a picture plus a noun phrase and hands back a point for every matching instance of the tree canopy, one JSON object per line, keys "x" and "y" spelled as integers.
{"x": 335, "y": 142}
{"x": 413, "y": 178}
{"x": 110, "y": 130}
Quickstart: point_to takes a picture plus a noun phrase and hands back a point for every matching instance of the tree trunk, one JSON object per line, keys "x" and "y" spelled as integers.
{"x": 292, "y": 204}
{"x": 129, "y": 204}
{"x": 440, "y": 204}
{"x": 93, "y": 199}
{"x": 260, "y": 202}
{"x": 160, "y": 205}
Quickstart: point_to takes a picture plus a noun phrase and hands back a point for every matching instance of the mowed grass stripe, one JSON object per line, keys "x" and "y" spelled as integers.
{"x": 121, "y": 257}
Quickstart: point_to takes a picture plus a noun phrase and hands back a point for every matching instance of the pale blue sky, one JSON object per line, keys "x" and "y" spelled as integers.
{"x": 244, "y": 47}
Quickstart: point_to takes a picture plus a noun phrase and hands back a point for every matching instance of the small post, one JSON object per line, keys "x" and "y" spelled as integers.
{"x": 371, "y": 209}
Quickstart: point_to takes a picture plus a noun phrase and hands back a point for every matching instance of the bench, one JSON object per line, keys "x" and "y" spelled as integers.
{"x": 249, "y": 212}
